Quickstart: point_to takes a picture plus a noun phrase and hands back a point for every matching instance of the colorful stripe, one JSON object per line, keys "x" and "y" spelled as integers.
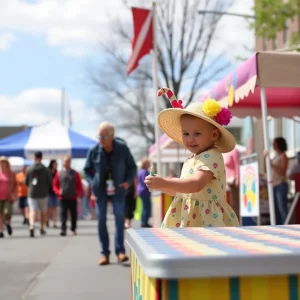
{"x": 173, "y": 290}
{"x": 293, "y": 287}
{"x": 234, "y": 288}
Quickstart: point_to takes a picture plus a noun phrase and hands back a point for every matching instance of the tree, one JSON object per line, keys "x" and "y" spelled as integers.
{"x": 272, "y": 16}
{"x": 188, "y": 59}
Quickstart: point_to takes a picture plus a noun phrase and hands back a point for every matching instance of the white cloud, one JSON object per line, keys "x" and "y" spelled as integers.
{"x": 38, "y": 105}
{"x": 6, "y": 39}
{"x": 76, "y": 26}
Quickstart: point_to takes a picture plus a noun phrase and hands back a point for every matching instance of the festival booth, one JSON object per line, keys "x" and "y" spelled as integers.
{"x": 265, "y": 85}
{"x": 52, "y": 139}
{"x": 260, "y": 262}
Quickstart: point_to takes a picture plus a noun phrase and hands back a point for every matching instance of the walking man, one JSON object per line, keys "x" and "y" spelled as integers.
{"x": 38, "y": 179}
{"x": 110, "y": 169}
{"x": 67, "y": 186}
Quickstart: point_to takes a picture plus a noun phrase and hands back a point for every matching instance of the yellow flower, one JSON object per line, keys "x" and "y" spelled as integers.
{"x": 211, "y": 107}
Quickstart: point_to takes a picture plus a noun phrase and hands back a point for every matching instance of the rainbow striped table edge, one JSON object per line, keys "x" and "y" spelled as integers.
{"x": 247, "y": 263}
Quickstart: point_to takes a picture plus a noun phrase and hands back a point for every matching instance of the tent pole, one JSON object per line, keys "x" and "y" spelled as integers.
{"x": 263, "y": 100}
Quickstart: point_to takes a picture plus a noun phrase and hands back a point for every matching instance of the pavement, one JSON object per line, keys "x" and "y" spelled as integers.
{"x": 55, "y": 267}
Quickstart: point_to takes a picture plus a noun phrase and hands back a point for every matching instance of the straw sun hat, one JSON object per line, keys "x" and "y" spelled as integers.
{"x": 210, "y": 111}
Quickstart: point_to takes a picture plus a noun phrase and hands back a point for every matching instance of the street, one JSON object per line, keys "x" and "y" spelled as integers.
{"x": 55, "y": 267}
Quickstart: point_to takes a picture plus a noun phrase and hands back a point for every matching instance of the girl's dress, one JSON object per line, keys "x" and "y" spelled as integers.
{"x": 207, "y": 208}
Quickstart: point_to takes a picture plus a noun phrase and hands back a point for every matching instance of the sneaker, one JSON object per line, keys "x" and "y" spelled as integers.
{"x": 1, "y": 235}
{"x": 104, "y": 260}
{"x": 26, "y": 222}
{"x": 43, "y": 232}
{"x": 74, "y": 232}
{"x": 55, "y": 226}
{"x": 63, "y": 233}
{"x": 122, "y": 257}
{"x": 9, "y": 229}
{"x": 146, "y": 226}
{"x": 31, "y": 232}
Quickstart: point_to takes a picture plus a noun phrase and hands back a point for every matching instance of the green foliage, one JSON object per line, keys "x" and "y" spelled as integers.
{"x": 272, "y": 16}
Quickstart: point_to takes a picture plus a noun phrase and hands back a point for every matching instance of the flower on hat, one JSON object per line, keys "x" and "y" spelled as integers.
{"x": 224, "y": 116}
{"x": 211, "y": 107}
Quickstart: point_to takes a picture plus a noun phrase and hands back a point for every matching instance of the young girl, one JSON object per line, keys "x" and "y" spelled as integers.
{"x": 201, "y": 190}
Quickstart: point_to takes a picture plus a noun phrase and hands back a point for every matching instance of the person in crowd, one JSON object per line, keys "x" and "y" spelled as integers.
{"x": 110, "y": 169}
{"x": 38, "y": 180}
{"x": 279, "y": 165}
{"x": 22, "y": 195}
{"x": 232, "y": 167}
{"x": 85, "y": 201}
{"x": 52, "y": 200}
{"x": 67, "y": 186}
{"x": 144, "y": 192}
{"x": 8, "y": 194}
{"x": 130, "y": 203}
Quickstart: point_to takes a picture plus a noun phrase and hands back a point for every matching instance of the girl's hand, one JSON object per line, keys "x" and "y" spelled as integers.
{"x": 155, "y": 182}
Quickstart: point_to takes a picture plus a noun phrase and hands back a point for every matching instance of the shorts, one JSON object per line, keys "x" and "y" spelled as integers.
{"x": 23, "y": 202}
{"x": 6, "y": 208}
{"x": 38, "y": 204}
{"x": 52, "y": 201}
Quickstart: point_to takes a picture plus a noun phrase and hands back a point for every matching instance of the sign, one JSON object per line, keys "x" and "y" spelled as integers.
{"x": 249, "y": 186}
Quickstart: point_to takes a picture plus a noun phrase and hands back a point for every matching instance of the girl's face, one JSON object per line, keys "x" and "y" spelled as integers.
{"x": 197, "y": 134}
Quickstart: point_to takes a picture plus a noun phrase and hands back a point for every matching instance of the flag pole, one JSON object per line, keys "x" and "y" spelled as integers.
{"x": 63, "y": 106}
{"x": 155, "y": 87}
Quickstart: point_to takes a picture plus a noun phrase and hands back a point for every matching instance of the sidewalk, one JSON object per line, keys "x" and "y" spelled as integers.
{"x": 54, "y": 267}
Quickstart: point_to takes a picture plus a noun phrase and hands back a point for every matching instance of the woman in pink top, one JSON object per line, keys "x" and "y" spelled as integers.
{"x": 232, "y": 165}
{"x": 8, "y": 194}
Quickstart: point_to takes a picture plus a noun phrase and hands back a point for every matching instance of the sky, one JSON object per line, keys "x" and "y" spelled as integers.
{"x": 47, "y": 45}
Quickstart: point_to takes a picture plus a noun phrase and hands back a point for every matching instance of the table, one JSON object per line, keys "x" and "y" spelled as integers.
{"x": 224, "y": 263}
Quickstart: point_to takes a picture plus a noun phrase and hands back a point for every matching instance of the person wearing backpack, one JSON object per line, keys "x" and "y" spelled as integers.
{"x": 38, "y": 180}
{"x": 68, "y": 187}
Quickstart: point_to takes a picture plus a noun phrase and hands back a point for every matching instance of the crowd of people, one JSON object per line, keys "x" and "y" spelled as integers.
{"x": 110, "y": 177}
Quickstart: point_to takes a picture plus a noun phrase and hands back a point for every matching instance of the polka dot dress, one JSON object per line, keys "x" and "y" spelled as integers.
{"x": 207, "y": 208}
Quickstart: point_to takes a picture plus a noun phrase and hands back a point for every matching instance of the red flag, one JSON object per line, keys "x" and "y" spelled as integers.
{"x": 142, "y": 41}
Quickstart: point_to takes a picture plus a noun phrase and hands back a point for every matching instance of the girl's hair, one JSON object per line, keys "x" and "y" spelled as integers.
{"x": 281, "y": 144}
{"x": 5, "y": 160}
{"x": 144, "y": 162}
{"x": 52, "y": 162}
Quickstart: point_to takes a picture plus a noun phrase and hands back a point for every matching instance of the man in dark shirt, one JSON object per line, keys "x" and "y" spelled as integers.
{"x": 110, "y": 169}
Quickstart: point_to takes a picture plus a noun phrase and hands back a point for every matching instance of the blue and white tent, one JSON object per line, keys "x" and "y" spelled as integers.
{"x": 52, "y": 139}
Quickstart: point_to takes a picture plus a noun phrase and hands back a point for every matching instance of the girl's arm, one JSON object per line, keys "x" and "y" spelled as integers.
{"x": 193, "y": 184}
{"x": 169, "y": 192}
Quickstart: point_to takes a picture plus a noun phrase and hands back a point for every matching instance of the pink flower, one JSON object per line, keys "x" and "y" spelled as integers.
{"x": 177, "y": 224}
{"x": 215, "y": 165}
{"x": 207, "y": 211}
{"x": 173, "y": 210}
{"x": 188, "y": 223}
{"x": 224, "y": 116}
{"x": 186, "y": 207}
{"x": 194, "y": 216}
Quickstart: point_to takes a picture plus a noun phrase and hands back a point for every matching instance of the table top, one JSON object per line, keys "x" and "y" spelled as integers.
{"x": 215, "y": 252}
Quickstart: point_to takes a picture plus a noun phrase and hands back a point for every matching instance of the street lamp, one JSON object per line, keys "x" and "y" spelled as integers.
{"x": 222, "y": 13}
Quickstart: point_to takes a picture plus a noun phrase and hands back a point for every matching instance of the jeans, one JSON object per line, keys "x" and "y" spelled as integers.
{"x": 101, "y": 212}
{"x": 146, "y": 214}
{"x": 281, "y": 201}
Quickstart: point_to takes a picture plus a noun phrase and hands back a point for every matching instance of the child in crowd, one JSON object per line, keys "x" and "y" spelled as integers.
{"x": 200, "y": 192}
